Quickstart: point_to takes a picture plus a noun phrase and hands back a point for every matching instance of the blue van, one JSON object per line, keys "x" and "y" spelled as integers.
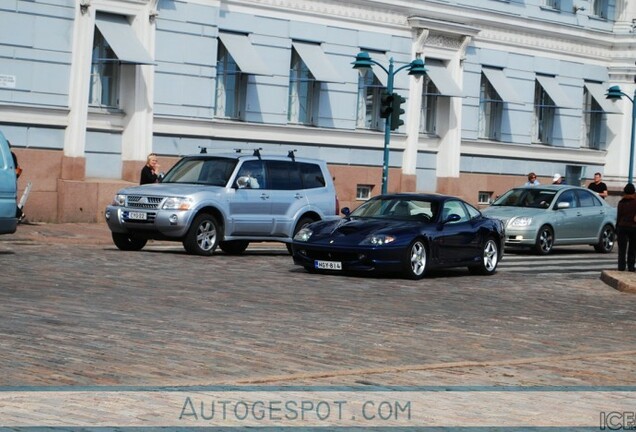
{"x": 8, "y": 189}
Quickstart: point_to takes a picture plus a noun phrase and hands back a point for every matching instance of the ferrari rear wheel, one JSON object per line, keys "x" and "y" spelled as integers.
{"x": 415, "y": 260}
{"x": 489, "y": 259}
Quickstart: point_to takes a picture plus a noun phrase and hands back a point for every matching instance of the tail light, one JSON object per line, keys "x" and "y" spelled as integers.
{"x": 337, "y": 206}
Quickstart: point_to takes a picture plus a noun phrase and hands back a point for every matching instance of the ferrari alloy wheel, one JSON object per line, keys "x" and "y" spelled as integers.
{"x": 415, "y": 260}
{"x": 489, "y": 259}
{"x": 545, "y": 240}
{"x": 203, "y": 235}
{"x": 606, "y": 240}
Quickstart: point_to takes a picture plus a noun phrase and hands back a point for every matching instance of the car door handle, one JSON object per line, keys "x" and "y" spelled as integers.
{"x": 264, "y": 196}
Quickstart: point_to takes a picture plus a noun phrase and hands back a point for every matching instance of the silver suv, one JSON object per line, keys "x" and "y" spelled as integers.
{"x": 225, "y": 200}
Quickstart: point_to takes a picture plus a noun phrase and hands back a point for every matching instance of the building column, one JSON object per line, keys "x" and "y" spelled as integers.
{"x": 138, "y": 102}
{"x": 73, "y": 161}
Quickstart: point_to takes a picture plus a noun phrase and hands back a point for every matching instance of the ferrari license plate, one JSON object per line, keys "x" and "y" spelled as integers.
{"x": 328, "y": 265}
{"x": 137, "y": 215}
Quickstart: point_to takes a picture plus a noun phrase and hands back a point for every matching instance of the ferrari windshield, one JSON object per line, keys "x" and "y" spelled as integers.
{"x": 526, "y": 197}
{"x": 201, "y": 170}
{"x": 397, "y": 208}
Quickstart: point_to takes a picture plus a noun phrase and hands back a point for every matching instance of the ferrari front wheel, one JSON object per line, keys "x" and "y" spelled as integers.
{"x": 415, "y": 260}
{"x": 488, "y": 260}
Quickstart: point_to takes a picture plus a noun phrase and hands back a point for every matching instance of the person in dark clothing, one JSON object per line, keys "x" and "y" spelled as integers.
{"x": 19, "y": 214}
{"x": 626, "y": 228}
{"x": 150, "y": 171}
{"x": 598, "y": 186}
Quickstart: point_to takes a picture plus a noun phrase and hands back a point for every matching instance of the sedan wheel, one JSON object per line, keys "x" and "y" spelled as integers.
{"x": 545, "y": 240}
{"x": 606, "y": 240}
{"x": 415, "y": 260}
{"x": 489, "y": 259}
{"x": 203, "y": 236}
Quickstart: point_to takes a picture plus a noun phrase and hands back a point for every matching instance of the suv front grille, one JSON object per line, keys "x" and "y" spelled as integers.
{"x": 143, "y": 202}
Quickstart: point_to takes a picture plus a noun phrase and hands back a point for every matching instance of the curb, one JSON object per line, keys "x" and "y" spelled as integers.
{"x": 620, "y": 280}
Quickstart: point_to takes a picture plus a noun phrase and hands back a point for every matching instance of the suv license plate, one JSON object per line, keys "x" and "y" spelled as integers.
{"x": 328, "y": 265}
{"x": 137, "y": 215}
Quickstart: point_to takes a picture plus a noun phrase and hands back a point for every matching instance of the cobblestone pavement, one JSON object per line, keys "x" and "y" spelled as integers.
{"x": 90, "y": 314}
{"x": 81, "y": 312}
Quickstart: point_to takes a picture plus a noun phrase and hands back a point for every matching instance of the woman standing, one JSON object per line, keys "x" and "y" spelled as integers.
{"x": 150, "y": 171}
{"x": 626, "y": 228}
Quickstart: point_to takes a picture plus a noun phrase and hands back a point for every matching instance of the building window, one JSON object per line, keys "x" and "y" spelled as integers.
{"x": 592, "y": 121}
{"x": 428, "y": 119}
{"x": 105, "y": 74}
{"x": 544, "y": 112}
{"x": 490, "y": 111}
{"x": 599, "y": 9}
{"x": 363, "y": 192}
{"x": 484, "y": 197}
{"x": 231, "y": 86}
{"x": 303, "y": 92}
{"x": 369, "y": 93}
{"x": 554, "y": 4}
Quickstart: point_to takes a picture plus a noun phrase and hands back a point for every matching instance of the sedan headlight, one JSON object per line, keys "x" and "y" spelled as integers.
{"x": 378, "y": 240}
{"x": 520, "y": 222}
{"x": 303, "y": 235}
{"x": 177, "y": 203}
{"x": 119, "y": 200}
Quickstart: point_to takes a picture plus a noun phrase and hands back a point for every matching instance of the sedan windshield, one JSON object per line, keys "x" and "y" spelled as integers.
{"x": 530, "y": 197}
{"x": 198, "y": 170}
{"x": 398, "y": 208}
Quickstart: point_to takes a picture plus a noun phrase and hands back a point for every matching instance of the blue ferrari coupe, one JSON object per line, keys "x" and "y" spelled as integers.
{"x": 405, "y": 233}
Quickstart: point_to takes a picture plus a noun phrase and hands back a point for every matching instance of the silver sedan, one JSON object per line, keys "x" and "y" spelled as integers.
{"x": 545, "y": 216}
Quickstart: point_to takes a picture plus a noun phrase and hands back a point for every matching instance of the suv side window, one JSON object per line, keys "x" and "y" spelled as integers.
{"x": 254, "y": 172}
{"x": 283, "y": 175}
{"x": 312, "y": 176}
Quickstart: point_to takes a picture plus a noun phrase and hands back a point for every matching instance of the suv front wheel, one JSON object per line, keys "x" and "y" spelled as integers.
{"x": 203, "y": 236}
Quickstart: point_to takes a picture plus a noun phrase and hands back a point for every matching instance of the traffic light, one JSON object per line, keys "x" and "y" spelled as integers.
{"x": 396, "y": 111}
{"x": 386, "y": 104}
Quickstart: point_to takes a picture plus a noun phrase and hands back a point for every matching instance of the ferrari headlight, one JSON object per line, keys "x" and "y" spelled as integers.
{"x": 119, "y": 200}
{"x": 177, "y": 203}
{"x": 303, "y": 235}
{"x": 520, "y": 222}
{"x": 378, "y": 239}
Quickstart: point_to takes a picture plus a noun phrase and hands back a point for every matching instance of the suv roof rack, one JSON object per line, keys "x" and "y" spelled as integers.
{"x": 291, "y": 155}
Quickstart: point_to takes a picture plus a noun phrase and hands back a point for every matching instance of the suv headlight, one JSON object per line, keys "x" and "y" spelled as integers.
{"x": 303, "y": 235}
{"x": 177, "y": 203}
{"x": 378, "y": 240}
{"x": 520, "y": 222}
{"x": 119, "y": 200}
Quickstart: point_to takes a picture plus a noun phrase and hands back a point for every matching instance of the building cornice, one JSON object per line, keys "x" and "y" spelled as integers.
{"x": 533, "y": 152}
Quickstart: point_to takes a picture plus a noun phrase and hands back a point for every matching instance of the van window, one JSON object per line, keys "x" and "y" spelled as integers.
{"x": 312, "y": 176}
{"x": 283, "y": 175}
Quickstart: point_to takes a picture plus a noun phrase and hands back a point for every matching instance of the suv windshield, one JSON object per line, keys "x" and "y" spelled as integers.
{"x": 201, "y": 170}
{"x": 531, "y": 197}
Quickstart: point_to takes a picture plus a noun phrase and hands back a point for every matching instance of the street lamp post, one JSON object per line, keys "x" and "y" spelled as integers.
{"x": 615, "y": 93}
{"x": 416, "y": 68}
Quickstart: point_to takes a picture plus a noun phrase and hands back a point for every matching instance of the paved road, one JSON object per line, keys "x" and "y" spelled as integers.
{"x": 95, "y": 315}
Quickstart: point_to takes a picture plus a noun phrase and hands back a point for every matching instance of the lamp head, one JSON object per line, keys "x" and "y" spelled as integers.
{"x": 416, "y": 68}
{"x": 614, "y": 93}
{"x": 363, "y": 61}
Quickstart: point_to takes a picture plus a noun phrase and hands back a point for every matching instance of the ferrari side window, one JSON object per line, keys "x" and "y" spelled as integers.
{"x": 454, "y": 207}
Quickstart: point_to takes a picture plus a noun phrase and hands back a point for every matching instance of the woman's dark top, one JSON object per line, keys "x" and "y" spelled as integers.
{"x": 147, "y": 176}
